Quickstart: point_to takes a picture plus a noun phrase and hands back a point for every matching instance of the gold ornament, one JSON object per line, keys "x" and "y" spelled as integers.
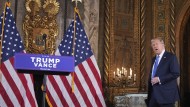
{"x": 51, "y": 7}
{"x": 40, "y": 26}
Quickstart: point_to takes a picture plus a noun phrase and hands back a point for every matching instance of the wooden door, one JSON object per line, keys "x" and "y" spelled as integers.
{"x": 185, "y": 67}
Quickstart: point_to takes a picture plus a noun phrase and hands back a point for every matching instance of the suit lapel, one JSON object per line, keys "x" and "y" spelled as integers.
{"x": 162, "y": 60}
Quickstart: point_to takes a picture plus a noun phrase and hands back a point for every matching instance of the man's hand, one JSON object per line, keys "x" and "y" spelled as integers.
{"x": 155, "y": 80}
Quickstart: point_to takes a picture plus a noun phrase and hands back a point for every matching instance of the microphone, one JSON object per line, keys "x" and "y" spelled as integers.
{"x": 44, "y": 36}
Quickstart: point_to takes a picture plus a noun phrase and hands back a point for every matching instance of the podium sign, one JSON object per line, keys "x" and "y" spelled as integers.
{"x": 41, "y": 63}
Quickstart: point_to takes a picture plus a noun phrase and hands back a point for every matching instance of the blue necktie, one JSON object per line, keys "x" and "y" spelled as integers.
{"x": 155, "y": 66}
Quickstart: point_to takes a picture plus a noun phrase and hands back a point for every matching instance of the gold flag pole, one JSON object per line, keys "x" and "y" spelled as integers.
{"x": 2, "y": 34}
{"x": 73, "y": 51}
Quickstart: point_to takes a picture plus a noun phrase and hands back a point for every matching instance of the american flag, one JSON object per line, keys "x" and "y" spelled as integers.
{"x": 87, "y": 80}
{"x": 16, "y": 89}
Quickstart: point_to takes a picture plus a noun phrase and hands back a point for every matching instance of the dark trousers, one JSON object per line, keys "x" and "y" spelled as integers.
{"x": 38, "y": 82}
{"x": 154, "y": 103}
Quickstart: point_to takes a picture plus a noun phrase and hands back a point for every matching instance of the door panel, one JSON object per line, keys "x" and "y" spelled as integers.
{"x": 185, "y": 67}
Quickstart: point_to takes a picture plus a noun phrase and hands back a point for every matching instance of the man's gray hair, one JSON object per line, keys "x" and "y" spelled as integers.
{"x": 158, "y": 38}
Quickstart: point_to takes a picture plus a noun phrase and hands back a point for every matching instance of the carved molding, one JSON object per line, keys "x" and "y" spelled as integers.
{"x": 107, "y": 51}
{"x": 172, "y": 27}
{"x": 142, "y": 46}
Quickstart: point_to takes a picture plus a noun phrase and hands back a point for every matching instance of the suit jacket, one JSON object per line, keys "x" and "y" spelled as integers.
{"x": 168, "y": 71}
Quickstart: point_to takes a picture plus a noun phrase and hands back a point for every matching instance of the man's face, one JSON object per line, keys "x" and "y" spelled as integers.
{"x": 157, "y": 46}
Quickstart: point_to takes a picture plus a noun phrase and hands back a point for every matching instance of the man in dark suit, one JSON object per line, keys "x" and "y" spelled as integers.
{"x": 162, "y": 84}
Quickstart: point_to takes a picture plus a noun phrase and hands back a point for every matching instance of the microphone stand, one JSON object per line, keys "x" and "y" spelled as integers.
{"x": 45, "y": 77}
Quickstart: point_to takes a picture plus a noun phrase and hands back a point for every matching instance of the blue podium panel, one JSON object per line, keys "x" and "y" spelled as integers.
{"x": 43, "y": 64}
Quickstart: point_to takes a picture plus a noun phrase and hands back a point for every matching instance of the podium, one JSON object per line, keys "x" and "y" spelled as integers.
{"x": 43, "y": 64}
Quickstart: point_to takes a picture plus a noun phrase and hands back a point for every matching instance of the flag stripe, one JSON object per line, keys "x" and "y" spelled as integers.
{"x": 28, "y": 95}
{"x": 69, "y": 91}
{"x": 84, "y": 88}
{"x": 18, "y": 82}
{"x": 7, "y": 100}
{"x": 64, "y": 90}
{"x": 96, "y": 67}
{"x": 27, "y": 89}
{"x": 89, "y": 82}
{"x": 58, "y": 91}
{"x": 54, "y": 95}
{"x": 77, "y": 94}
{"x": 95, "y": 72}
{"x": 50, "y": 93}
{"x": 2, "y": 102}
{"x": 95, "y": 79}
{"x": 8, "y": 91}
{"x": 9, "y": 77}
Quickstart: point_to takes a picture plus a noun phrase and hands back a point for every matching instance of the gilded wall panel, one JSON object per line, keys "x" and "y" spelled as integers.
{"x": 164, "y": 22}
{"x": 124, "y": 47}
{"x": 161, "y": 20}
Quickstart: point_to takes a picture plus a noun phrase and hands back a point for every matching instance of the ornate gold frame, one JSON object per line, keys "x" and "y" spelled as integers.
{"x": 40, "y": 22}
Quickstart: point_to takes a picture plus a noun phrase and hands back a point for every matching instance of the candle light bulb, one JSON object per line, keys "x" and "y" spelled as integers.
{"x": 135, "y": 77}
{"x": 126, "y": 72}
{"x": 131, "y": 72}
